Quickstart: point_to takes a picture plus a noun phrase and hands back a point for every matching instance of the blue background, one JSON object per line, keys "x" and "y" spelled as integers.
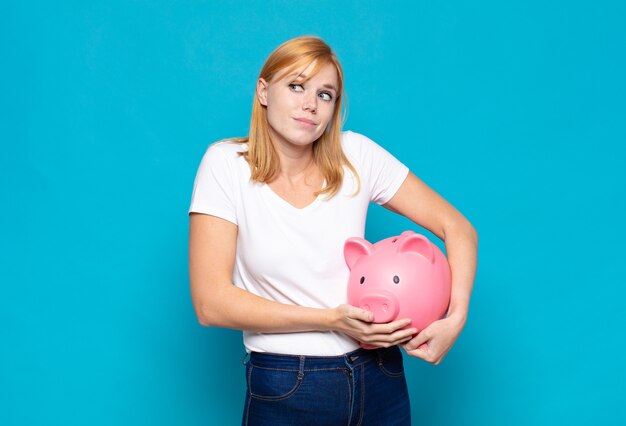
{"x": 513, "y": 111}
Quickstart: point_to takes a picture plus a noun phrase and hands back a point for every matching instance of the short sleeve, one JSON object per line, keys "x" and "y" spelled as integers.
{"x": 214, "y": 186}
{"x": 383, "y": 173}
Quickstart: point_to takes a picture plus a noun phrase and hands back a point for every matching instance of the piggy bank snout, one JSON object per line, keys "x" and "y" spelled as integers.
{"x": 383, "y": 304}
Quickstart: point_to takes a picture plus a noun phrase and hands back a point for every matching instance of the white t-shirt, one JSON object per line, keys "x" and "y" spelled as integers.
{"x": 291, "y": 255}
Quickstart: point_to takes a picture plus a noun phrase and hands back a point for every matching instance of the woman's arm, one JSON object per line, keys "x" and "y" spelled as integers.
{"x": 417, "y": 202}
{"x": 217, "y": 302}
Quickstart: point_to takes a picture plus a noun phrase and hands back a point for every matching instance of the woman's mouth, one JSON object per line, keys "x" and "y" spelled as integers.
{"x": 305, "y": 121}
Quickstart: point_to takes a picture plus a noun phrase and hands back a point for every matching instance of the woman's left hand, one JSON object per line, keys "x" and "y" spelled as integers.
{"x": 433, "y": 343}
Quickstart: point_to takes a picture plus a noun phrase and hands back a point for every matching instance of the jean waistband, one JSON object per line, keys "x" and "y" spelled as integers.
{"x": 310, "y": 362}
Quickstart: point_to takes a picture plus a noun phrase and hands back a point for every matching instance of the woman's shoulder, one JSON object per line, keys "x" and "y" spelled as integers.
{"x": 229, "y": 149}
{"x": 224, "y": 155}
{"x": 356, "y": 143}
{"x": 230, "y": 145}
{"x": 348, "y": 136}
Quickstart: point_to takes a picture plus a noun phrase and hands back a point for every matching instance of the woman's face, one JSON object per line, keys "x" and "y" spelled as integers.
{"x": 298, "y": 112}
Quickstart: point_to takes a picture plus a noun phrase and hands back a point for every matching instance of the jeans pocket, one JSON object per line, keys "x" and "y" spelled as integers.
{"x": 390, "y": 362}
{"x": 272, "y": 384}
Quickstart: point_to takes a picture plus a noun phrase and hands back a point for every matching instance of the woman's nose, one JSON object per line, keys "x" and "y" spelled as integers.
{"x": 310, "y": 103}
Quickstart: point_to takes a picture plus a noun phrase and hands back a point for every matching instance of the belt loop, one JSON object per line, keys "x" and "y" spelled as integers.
{"x": 301, "y": 368}
{"x": 245, "y": 358}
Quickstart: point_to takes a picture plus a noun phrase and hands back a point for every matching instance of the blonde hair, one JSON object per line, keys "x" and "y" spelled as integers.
{"x": 327, "y": 153}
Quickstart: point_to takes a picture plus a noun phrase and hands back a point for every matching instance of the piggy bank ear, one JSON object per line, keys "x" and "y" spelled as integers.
{"x": 354, "y": 248}
{"x": 416, "y": 243}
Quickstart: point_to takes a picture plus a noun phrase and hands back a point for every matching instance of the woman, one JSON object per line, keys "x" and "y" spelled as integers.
{"x": 268, "y": 219}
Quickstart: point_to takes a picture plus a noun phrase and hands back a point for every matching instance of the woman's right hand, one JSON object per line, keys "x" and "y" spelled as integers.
{"x": 357, "y": 323}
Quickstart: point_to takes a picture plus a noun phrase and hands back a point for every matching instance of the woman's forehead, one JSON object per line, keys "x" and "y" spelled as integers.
{"x": 305, "y": 72}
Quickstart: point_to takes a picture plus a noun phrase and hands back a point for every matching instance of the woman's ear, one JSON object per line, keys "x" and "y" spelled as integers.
{"x": 261, "y": 91}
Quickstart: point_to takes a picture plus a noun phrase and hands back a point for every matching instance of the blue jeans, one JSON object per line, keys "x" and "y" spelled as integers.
{"x": 363, "y": 387}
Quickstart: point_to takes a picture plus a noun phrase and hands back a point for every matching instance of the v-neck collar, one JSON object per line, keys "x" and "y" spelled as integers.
{"x": 286, "y": 204}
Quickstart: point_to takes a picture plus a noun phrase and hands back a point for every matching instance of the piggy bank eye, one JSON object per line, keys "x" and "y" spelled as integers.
{"x": 396, "y": 280}
{"x": 362, "y": 280}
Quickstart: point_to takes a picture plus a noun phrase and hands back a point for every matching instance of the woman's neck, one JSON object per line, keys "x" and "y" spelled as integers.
{"x": 296, "y": 163}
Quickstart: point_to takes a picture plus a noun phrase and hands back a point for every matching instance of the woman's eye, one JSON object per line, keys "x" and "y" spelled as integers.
{"x": 326, "y": 96}
{"x": 296, "y": 87}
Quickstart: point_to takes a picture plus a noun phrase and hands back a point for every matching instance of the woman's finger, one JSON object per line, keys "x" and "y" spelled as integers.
{"x": 395, "y": 338}
{"x": 420, "y": 341}
{"x": 390, "y": 327}
{"x": 360, "y": 314}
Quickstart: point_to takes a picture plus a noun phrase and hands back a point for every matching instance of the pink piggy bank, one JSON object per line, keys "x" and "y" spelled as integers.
{"x": 405, "y": 276}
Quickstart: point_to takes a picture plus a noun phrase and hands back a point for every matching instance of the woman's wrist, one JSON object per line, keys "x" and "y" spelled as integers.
{"x": 328, "y": 319}
{"x": 459, "y": 316}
